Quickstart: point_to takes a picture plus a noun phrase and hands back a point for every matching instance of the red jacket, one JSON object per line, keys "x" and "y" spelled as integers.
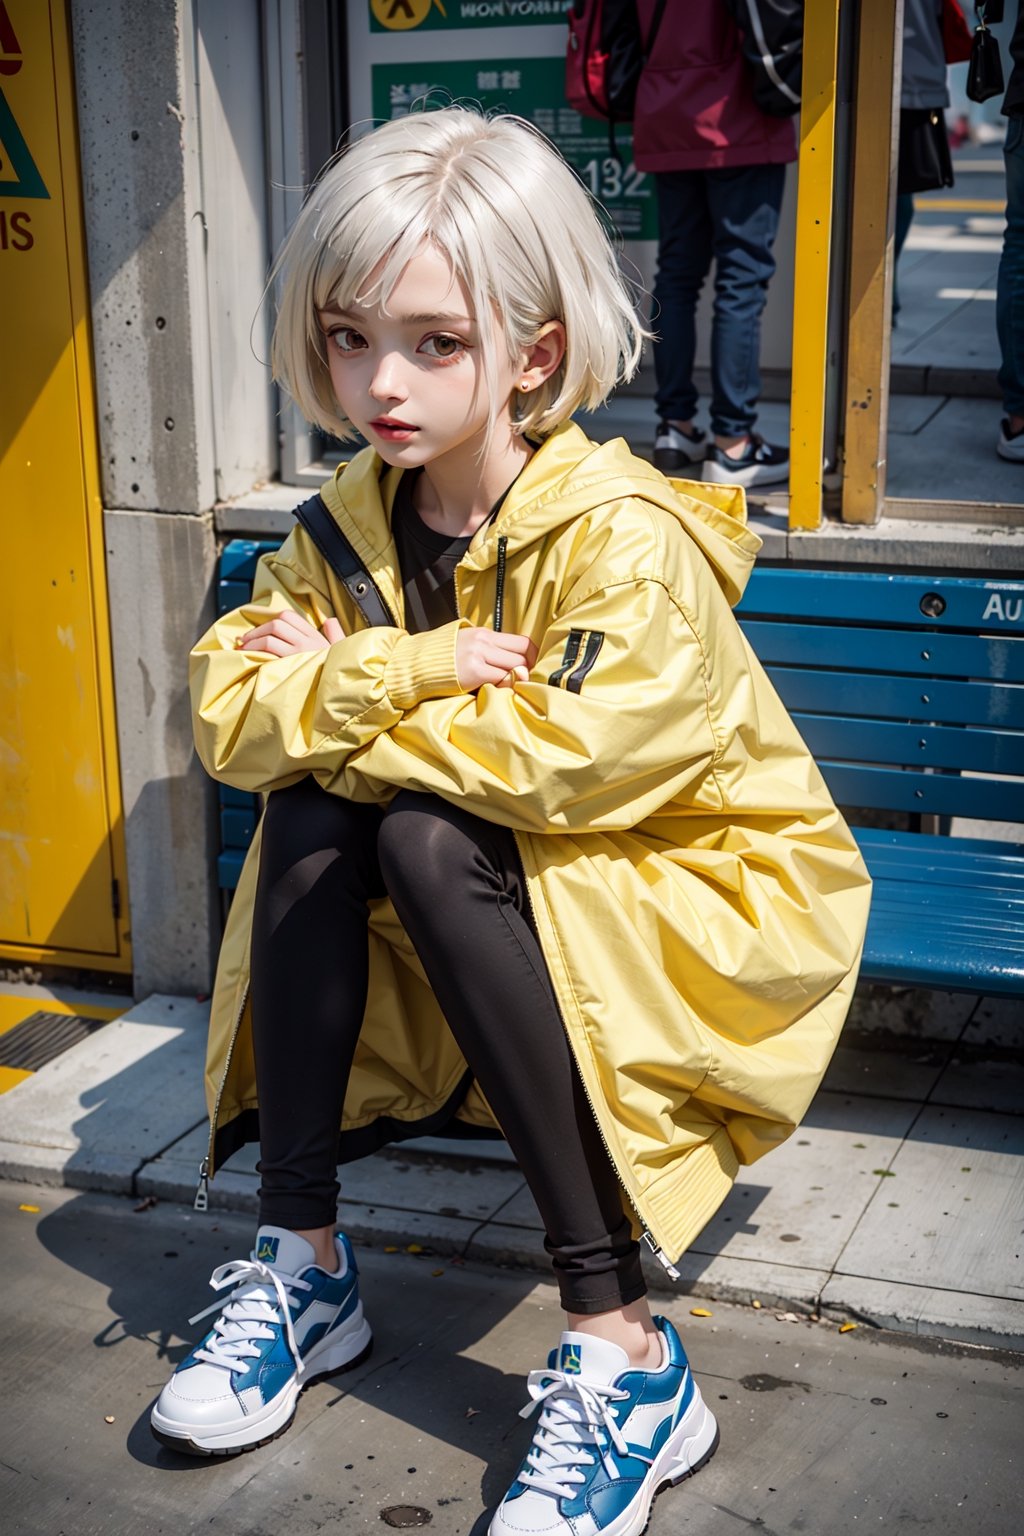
{"x": 695, "y": 106}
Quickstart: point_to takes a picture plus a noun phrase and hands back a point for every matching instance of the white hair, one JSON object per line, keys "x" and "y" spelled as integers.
{"x": 514, "y": 222}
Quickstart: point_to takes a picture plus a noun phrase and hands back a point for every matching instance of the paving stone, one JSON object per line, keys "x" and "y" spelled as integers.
{"x": 907, "y": 1069}
{"x": 800, "y": 1204}
{"x": 927, "y": 1312}
{"x": 915, "y": 1012}
{"x": 112, "y": 1102}
{"x": 981, "y": 1082}
{"x": 997, "y": 1021}
{"x": 952, "y": 1211}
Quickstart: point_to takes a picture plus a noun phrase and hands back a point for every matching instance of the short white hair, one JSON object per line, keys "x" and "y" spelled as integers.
{"x": 514, "y": 222}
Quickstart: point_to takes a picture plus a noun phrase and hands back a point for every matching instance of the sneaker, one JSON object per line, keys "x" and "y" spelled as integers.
{"x": 675, "y": 450}
{"x": 1010, "y": 446}
{"x": 609, "y": 1438}
{"x": 760, "y": 463}
{"x": 285, "y": 1323}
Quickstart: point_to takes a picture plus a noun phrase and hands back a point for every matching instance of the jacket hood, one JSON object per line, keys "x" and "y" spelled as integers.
{"x": 569, "y": 476}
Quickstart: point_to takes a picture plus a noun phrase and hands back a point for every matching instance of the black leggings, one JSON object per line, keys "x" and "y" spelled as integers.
{"x": 458, "y": 888}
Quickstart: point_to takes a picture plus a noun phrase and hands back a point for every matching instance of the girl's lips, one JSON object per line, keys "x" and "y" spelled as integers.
{"x": 389, "y": 428}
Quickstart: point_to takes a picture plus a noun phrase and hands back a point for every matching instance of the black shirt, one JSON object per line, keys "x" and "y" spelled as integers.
{"x": 426, "y": 561}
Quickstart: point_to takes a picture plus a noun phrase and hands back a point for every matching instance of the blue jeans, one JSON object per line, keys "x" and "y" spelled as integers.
{"x": 731, "y": 215}
{"x": 1010, "y": 284}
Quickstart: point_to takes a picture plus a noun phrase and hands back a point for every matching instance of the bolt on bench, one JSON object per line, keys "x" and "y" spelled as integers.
{"x": 909, "y": 690}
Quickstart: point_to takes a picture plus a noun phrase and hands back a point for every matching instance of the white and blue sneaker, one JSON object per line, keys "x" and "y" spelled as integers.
{"x": 286, "y": 1323}
{"x": 609, "y": 1438}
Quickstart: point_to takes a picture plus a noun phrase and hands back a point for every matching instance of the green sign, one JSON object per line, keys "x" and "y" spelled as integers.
{"x": 534, "y": 89}
{"x": 449, "y": 15}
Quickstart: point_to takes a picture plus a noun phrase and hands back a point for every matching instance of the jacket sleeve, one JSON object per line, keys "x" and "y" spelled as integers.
{"x": 262, "y": 721}
{"x": 613, "y": 723}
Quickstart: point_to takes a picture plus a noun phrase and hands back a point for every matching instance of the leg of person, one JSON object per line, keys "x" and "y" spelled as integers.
{"x": 684, "y": 259}
{"x": 293, "y": 1312}
{"x": 904, "y": 219}
{"x": 745, "y": 203}
{"x": 1010, "y": 300}
{"x": 620, "y": 1412}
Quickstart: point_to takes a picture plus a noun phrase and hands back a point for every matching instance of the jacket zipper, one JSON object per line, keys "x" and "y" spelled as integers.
{"x": 202, "y": 1197}
{"x": 645, "y": 1235}
{"x": 499, "y": 588}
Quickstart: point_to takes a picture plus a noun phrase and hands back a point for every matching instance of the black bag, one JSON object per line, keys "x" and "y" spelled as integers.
{"x": 985, "y": 67}
{"x": 924, "y": 159}
{"x": 772, "y": 43}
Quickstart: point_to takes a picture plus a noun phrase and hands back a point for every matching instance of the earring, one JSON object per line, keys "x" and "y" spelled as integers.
{"x": 524, "y": 386}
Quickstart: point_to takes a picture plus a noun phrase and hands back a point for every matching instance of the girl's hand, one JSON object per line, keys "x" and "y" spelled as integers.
{"x": 288, "y": 633}
{"x": 481, "y": 656}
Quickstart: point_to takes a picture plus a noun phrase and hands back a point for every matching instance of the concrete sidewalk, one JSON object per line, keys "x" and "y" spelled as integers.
{"x": 821, "y": 1432}
{"x": 898, "y": 1202}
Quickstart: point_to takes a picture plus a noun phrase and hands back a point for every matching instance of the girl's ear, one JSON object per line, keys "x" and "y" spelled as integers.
{"x": 543, "y": 358}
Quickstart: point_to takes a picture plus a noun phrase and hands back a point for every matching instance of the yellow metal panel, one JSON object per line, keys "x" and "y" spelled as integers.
{"x": 60, "y": 811}
{"x": 876, "y": 135}
{"x": 10, "y": 1077}
{"x": 813, "y": 238}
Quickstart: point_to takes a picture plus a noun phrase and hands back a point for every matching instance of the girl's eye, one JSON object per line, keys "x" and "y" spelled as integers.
{"x": 347, "y": 340}
{"x": 443, "y": 347}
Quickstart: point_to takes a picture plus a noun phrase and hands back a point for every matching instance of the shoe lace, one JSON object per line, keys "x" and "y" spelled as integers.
{"x": 576, "y": 1420}
{"x": 260, "y": 1302}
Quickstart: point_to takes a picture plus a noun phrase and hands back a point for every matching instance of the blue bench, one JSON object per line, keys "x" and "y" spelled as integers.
{"x": 909, "y": 690}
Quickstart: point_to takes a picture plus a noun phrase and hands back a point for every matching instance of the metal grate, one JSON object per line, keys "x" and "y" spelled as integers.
{"x": 41, "y": 1037}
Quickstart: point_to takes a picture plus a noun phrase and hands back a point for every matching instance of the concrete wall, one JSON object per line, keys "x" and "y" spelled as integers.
{"x": 170, "y": 104}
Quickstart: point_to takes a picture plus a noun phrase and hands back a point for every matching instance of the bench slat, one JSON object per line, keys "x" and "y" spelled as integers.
{"x": 1000, "y": 925}
{"x": 900, "y": 698}
{"x": 1002, "y": 854}
{"x": 960, "y": 877}
{"x": 871, "y": 596}
{"x": 856, "y": 740}
{"x": 886, "y": 650}
{"x": 938, "y": 794}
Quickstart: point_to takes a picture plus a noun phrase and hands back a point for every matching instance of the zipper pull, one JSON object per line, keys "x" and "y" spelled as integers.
{"x": 659, "y": 1254}
{"x": 499, "y": 588}
{"x": 202, "y": 1199}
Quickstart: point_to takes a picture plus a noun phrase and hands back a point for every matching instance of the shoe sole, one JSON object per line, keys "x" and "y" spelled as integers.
{"x": 754, "y": 474}
{"x": 277, "y": 1416}
{"x": 691, "y": 1447}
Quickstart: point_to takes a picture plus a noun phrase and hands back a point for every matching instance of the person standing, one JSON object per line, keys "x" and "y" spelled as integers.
{"x": 924, "y": 162}
{"x": 711, "y": 123}
{"x": 1010, "y": 283}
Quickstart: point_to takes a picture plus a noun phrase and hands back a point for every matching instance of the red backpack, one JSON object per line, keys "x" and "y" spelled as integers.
{"x": 605, "y": 56}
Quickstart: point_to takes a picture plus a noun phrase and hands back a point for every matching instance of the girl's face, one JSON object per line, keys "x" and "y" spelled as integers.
{"x": 412, "y": 381}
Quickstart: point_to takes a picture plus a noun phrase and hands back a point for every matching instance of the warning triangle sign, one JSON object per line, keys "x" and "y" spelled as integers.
{"x": 19, "y": 174}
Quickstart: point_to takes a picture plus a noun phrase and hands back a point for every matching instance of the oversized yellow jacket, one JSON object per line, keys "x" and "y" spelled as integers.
{"x": 700, "y": 901}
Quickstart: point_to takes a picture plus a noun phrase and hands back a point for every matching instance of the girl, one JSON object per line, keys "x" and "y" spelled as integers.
{"x": 543, "y": 849}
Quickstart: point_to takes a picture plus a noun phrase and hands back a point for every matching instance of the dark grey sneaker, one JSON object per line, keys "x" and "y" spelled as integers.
{"x": 675, "y": 452}
{"x": 761, "y": 463}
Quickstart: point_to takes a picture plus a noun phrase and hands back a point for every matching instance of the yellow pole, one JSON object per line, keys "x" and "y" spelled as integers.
{"x": 876, "y": 136}
{"x": 813, "y": 241}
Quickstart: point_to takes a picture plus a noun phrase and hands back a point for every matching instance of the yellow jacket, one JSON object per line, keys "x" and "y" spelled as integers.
{"x": 700, "y": 901}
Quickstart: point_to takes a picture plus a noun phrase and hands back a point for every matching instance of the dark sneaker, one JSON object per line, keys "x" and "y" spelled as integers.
{"x": 1010, "y": 445}
{"x": 285, "y": 1322}
{"x": 676, "y": 451}
{"x": 760, "y": 463}
{"x": 609, "y": 1437}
